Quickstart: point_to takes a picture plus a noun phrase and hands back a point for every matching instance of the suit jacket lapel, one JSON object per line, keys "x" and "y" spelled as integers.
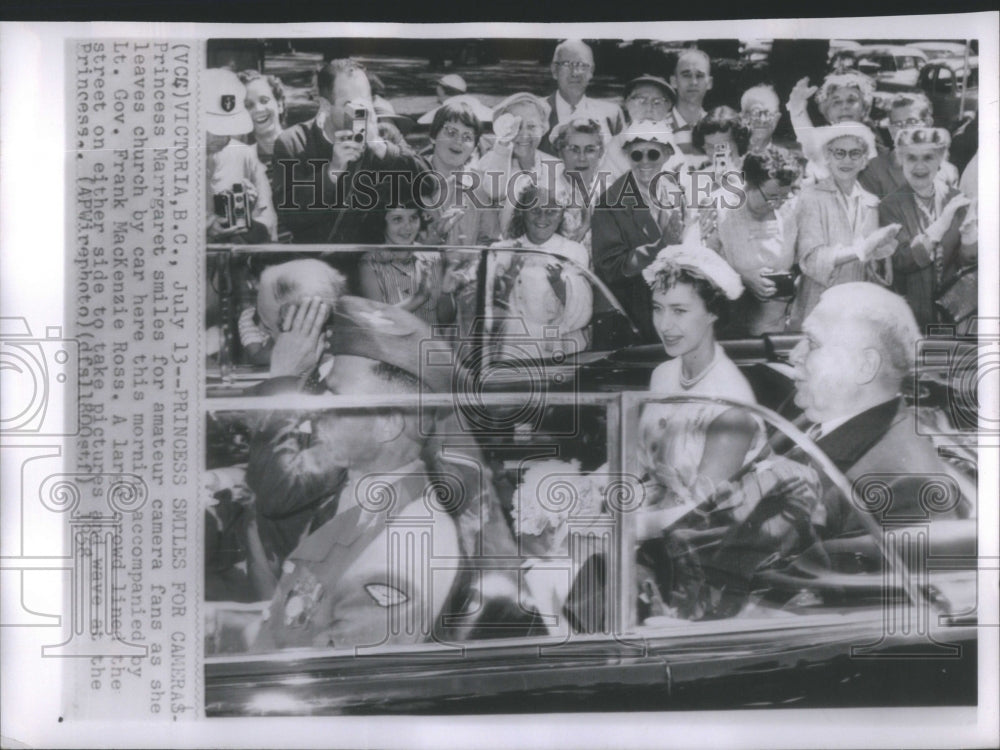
{"x": 848, "y": 443}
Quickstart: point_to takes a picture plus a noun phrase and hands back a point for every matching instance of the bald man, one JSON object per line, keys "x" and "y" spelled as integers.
{"x": 573, "y": 68}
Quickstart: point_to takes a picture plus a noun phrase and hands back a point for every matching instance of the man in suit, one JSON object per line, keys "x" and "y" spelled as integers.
{"x": 849, "y": 370}
{"x": 573, "y": 69}
{"x": 316, "y": 163}
{"x": 363, "y": 479}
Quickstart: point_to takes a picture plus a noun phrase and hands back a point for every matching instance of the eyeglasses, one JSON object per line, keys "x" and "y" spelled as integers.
{"x": 760, "y": 117}
{"x": 585, "y": 151}
{"x": 648, "y": 101}
{"x": 842, "y": 153}
{"x": 775, "y": 201}
{"x": 576, "y": 67}
{"x": 651, "y": 154}
{"x": 911, "y": 122}
{"x": 456, "y": 135}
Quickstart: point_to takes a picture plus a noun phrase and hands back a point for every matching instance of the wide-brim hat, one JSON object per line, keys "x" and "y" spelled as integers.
{"x": 560, "y": 127}
{"x": 669, "y": 90}
{"x": 480, "y": 110}
{"x": 523, "y": 96}
{"x": 386, "y": 333}
{"x": 824, "y": 135}
{"x": 223, "y": 103}
{"x": 648, "y": 130}
{"x": 385, "y": 112}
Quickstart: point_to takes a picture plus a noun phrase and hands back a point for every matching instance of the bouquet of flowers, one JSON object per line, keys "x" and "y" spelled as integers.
{"x": 552, "y": 496}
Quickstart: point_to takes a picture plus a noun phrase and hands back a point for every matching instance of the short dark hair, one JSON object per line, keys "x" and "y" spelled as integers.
{"x": 714, "y": 298}
{"x": 456, "y": 112}
{"x": 721, "y": 120}
{"x": 773, "y": 163}
{"x": 327, "y": 75}
{"x": 530, "y": 195}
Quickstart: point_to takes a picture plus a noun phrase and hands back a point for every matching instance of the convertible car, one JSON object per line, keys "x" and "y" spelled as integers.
{"x": 741, "y": 599}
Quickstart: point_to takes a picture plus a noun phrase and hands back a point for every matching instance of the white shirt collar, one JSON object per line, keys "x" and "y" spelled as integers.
{"x": 565, "y": 110}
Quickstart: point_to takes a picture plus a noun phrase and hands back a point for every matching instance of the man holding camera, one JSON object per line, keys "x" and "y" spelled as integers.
{"x": 319, "y": 164}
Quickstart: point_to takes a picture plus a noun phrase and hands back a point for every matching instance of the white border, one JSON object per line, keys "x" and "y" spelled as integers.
{"x": 32, "y": 169}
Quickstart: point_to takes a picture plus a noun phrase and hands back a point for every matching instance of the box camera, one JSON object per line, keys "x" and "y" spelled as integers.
{"x": 234, "y": 207}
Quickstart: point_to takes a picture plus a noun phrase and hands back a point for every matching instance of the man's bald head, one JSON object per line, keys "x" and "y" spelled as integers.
{"x": 292, "y": 283}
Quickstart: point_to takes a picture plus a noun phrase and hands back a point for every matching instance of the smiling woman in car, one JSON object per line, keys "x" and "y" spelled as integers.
{"x": 689, "y": 449}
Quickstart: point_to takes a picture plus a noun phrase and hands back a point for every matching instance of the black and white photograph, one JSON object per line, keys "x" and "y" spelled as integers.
{"x": 395, "y": 385}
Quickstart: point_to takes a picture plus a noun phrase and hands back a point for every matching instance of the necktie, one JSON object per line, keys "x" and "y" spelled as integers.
{"x": 815, "y": 432}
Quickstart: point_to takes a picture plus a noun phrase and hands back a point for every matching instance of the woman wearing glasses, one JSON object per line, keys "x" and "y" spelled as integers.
{"x": 939, "y": 227}
{"x": 884, "y": 174}
{"x": 641, "y": 212}
{"x": 839, "y": 235}
{"x": 758, "y": 240}
{"x": 580, "y": 144}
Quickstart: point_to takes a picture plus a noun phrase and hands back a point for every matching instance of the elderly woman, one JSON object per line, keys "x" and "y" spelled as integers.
{"x": 580, "y": 144}
{"x": 884, "y": 175}
{"x": 839, "y": 235}
{"x": 843, "y": 97}
{"x": 939, "y": 230}
{"x": 642, "y": 212}
{"x": 519, "y": 122}
{"x": 758, "y": 240}
{"x": 760, "y": 110}
{"x": 265, "y": 101}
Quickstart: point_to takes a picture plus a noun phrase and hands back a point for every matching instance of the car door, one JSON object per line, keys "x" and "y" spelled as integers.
{"x": 745, "y": 614}
{"x": 528, "y": 627}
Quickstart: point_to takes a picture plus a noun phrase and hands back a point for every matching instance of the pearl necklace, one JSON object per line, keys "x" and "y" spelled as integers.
{"x": 688, "y": 383}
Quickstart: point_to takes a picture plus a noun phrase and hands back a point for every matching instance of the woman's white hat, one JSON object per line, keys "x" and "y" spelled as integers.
{"x": 699, "y": 260}
{"x": 827, "y": 133}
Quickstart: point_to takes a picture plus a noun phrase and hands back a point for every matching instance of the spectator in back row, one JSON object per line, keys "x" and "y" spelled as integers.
{"x": 884, "y": 174}
{"x": 843, "y": 97}
{"x": 760, "y": 110}
{"x": 314, "y": 157}
{"x": 573, "y": 69}
{"x": 647, "y": 98}
{"x": 692, "y": 80}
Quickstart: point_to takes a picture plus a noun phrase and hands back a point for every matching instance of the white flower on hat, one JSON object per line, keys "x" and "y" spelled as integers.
{"x": 699, "y": 260}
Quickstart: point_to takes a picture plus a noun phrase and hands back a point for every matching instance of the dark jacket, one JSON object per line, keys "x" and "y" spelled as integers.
{"x": 299, "y": 152}
{"x": 914, "y": 273}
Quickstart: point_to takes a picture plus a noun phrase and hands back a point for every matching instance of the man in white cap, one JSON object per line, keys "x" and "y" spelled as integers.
{"x": 316, "y": 162}
{"x": 573, "y": 68}
{"x": 238, "y": 195}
